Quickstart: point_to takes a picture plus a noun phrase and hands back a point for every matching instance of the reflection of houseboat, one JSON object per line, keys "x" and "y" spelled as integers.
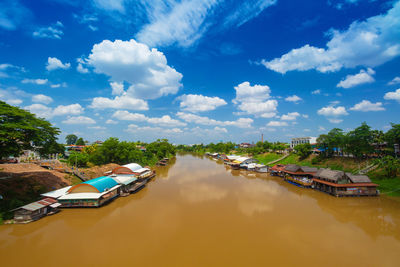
{"x": 92, "y": 193}
{"x": 36, "y": 210}
{"x": 299, "y": 175}
{"x": 339, "y": 183}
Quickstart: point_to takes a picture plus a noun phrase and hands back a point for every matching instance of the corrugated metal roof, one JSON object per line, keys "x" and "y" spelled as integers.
{"x": 124, "y": 179}
{"x": 132, "y": 166}
{"x": 102, "y": 183}
{"x": 142, "y": 170}
{"x": 37, "y": 205}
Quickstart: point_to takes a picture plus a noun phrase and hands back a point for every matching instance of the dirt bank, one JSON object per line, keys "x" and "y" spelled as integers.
{"x": 98, "y": 171}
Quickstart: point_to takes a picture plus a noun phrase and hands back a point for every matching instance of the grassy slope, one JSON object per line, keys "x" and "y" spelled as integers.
{"x": 268, "y": 157}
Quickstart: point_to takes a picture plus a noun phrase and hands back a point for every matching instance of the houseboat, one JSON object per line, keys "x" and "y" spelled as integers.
{"x": 92, "y": 193}
{"x": 277, "y": 170}
{"x": 236, "y": 163}
{"x": 339, "y": 183}
{"x": 245, "y": 164}
{"x": 257, "y": 168}
{"x": 230, "y": 158}
{"x": 36, "y": 210}
{"x": 299, "y": 175}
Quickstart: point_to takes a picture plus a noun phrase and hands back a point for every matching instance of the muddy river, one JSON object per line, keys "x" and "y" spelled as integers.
{"x": 198, "y": 212}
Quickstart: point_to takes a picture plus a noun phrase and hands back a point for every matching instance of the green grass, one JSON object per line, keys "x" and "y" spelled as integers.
{"x": 388, "y": 186}
{"x": 1, "y": 218}
{"x": 264, "y": 159}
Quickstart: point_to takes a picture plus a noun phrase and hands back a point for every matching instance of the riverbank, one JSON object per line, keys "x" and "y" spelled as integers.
{"x": 387, "y": 186}
{"x": 23, "y": 183}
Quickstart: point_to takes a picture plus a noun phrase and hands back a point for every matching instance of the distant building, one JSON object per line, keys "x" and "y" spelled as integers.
{"x": 246, "y": 145}
{"x": 303, "y": 140}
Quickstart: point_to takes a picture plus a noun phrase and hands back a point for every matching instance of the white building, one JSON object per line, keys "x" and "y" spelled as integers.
{"x": 303, "y": 140}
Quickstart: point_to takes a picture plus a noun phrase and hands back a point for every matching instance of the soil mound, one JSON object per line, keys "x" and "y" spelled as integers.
{"x": 98, "y": 171}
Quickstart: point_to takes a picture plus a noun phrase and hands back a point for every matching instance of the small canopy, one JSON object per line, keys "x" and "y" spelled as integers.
{"x": 232, "y": 157}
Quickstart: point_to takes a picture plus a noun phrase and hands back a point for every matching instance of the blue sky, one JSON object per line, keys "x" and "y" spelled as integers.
{"x": 204, "y": 70}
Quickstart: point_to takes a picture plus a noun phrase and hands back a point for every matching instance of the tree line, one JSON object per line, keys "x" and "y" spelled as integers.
{"x": 122, "y": 152}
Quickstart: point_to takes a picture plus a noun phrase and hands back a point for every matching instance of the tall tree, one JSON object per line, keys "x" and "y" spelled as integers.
{"x": 71, "y": 139}
{"x": 393, "y": 135}
{"x": 20, "y": 129}
{"x": 80, "y": 142}
{"x": 359, "y": 141}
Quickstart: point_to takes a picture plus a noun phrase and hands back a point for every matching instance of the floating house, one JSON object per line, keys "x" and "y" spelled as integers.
{"x": 36, "y": 210}
{"x": 230, "y": 158}
{"x": 92, "y": 193}
{"x": 126, "y": 181}
{"x": 299, "y": 175}
{"x": 277, "y": 170}
{"x": 257, "y": 167}
{"x": 242, "y": 162}
{"x": 339, "y": 183}
{"x": 134, "y": 169}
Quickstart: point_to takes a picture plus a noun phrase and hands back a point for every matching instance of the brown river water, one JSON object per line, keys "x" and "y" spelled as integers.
{"x": 198, "y": 212}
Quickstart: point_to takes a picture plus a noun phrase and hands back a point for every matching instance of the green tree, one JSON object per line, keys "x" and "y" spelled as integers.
{"x": 359, "y": 141}
{"x": 80, "y": 142}
{"x": 303, "y": 150}
{"x": 71, "y": 139}
{"x": 390, "y": 166}
{"x": 393, "y": 136}
{"x": 78, "y": 159}
{"x": 20, "y": 129}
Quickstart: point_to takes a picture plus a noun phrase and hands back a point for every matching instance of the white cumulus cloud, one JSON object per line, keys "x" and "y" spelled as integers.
{"x": 396, "y": 80}
{"x": 291, "y": 116}
{"x": 255, "y": 100}
{"x": 35, "y": 81}
{"x": 364, "y": 76}
{"x": 393, "y": 95}
{"x": 145, "y": 69}
{"x": 199, "y": 103}
{"x": 54, "y": 63}
{"x": 366, "y": 105}
{"x": 42, "y": 99}
{"x": 79, "y": 120}
{"x": 277, "y": 123}
{"x": 333, "y": 111}
{"x": 73, "y": 109}
{"x": 51, "y": 32}
{"x": 369, "y": 43}
{"x": 119, "y": 102}
{"x": 293, "y": 98}
{"x": 202, "y": 120}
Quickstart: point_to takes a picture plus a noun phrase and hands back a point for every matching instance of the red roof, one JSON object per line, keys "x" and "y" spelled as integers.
{"x": 345, "y": 185}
